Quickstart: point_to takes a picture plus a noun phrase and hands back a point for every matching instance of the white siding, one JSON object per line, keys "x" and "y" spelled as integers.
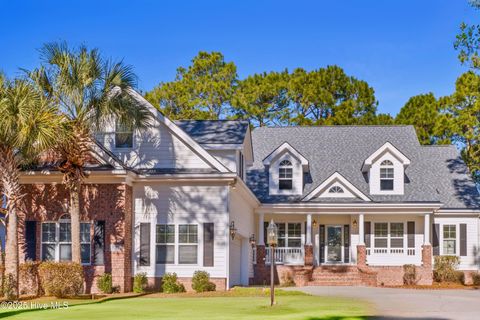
{"x": 227, "y": 157}
{"x": 155, "y": 147}
{"x": 469, "y": 262}
{"x": 182, "y": 204}
{"x": 235, "y": 265}
{"x": 241, "y": 212}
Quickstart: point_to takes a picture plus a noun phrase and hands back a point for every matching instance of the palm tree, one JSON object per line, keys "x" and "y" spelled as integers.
{"x": 90, "y": 92}
{"x": 29, "y": 124}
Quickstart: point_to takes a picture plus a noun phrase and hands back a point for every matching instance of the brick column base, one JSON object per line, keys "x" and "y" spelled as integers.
{"x": 427, "y": 256}
{"x": 361, "y": 255}
{"x": 260, "y": 271}
{"x": 425, "y": 272}
{"x": 308, "y": 255}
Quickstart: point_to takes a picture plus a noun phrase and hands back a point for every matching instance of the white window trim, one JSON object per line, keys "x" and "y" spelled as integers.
{"x": 57, "y": 242}
{"x": 132, "y": 133}
{"x": 387, "y": 166}
{"x": 286, "y": 167}
{"x": 389, "y": 235}
{"x": 176, "y": 245}
{"x": 457, "y": 239}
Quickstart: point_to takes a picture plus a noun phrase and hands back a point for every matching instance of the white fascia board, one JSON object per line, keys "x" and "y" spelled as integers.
{"x": 221, "y": 146}
{"x": 182, "y": 135}
{"x": 342, "y": 180}
{"x": 457, "y": 212}
{"x": 389, "y": 148}
{"x": 286, "y": 146}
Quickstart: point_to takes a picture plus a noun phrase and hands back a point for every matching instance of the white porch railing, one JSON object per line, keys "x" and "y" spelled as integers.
{"x": 285, "y": 255}
{"x": 395, "y": 251}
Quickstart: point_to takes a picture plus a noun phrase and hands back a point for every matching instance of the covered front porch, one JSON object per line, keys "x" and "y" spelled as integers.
{"x": 316, "y": 239}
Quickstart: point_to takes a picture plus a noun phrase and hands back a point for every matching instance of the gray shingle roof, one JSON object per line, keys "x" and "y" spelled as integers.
{"x": 215, "y": 131}
{"x": 436, "y": 173}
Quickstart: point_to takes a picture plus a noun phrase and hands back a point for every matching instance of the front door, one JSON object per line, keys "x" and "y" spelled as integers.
{"x": 334, "y": 252}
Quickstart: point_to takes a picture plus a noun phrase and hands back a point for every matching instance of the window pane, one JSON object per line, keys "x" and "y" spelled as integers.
{"x": 165, "y": 233}
{"x": 449, "y": 246}
{"x": 281, "y": 230}
{"x": 165, "y": 254}
{"x": 449, "y": 231}
{"x": 285, "y": 184}
{"x": 296, "y": 243}
{"x": 294, "y": 230}
{"x": 65, "y": 252}
{"x": 85, "y": 232}
{"x": 381, "y": 229}
{"x": 192, "y": 233}
{"x": 187, "y": 254}
{"x": 396, "y": 229}
{"x": 281, "y": 242}
{"x": 48, "y": 232}
{"x": 386, "y": 184}
{"x": 386, "y": 173}
{"x": 396, "y": 243}
{"x": 65, "y": 232}
{"x": 85, "y": 253}
{"x": 48, "y": 252}
{"x": 380, "y": 243}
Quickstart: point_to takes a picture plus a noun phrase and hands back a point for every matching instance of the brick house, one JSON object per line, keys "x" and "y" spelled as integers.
{"x": 353, "y": 205}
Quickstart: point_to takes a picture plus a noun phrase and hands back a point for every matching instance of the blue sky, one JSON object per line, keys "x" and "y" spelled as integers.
{"x": 401, "y": 48}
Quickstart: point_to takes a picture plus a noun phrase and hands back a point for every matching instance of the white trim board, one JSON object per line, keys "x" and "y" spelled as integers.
{"x": 332, "y": 179}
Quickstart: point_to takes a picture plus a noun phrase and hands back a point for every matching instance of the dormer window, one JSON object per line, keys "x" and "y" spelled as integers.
{"x": 123, "y": 135}
{"x": 335, "y": 189}
{"x": 386, "y": 175}
{"x": 285, "y": 175}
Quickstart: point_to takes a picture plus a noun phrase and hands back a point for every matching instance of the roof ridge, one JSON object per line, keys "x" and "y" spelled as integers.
{"x": 341, "y": 125}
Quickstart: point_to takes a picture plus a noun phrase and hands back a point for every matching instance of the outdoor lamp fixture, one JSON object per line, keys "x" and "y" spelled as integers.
{"x": 252, "y": 240}
{"x": 314, "y": 223}
{"x": 233, "y": 230}
{"x": 272, "y": 240}
{"x": 354, "y": 223}
{"x": 65, "y": 205}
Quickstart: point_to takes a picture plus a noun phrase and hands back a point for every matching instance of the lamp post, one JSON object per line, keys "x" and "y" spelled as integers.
{"x": 272, "y": 240}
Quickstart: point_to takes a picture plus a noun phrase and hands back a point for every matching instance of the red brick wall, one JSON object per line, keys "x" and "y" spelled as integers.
{"x": 109, "y": 202}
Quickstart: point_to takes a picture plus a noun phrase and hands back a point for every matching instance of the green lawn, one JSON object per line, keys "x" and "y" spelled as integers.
{"x": 289, "y": 306}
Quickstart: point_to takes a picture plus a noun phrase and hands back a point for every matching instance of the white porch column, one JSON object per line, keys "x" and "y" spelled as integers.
{"x": 308, "y": 239}
{"x": 426, "y": 230}
{"x": 361, "y": 231}
{"x": 260, "y": 240}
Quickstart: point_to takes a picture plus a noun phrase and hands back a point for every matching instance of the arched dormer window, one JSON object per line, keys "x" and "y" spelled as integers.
{"x": 335, "y": 189}
{"x": 285, "y": 175}
{"x": 386, "y": 175}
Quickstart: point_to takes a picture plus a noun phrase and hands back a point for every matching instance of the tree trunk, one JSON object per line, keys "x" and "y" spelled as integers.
{"x": 75, "y": 220}
{"x": 11, "y": 250}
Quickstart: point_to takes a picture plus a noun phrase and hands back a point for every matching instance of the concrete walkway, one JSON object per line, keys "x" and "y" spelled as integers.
{"x": 409, "y": 303}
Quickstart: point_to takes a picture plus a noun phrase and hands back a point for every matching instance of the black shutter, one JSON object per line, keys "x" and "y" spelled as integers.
{"x": 31, "y": 240}
{"x": 346, "y": 243}
{"x": 144, "y": 244}
{"x": 463, "y": 239}
{"x": 322, "y": 243}
{"x": 99, "y": 243}
{"x": 435, "y": 242}
{"x": 367, "y": 232}
{"x": 208, "y": 241}
{"x": 411, "y": 234}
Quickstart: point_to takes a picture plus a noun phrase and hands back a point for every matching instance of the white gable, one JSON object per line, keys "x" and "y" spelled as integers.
{"x": 162, "y": 145}
{"x": 327, "y": 189}
{"x": 386, "y": 148}
{"x": 286, "y": 148}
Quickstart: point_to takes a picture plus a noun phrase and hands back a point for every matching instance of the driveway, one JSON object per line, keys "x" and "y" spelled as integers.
{"x": 409, "y": 304}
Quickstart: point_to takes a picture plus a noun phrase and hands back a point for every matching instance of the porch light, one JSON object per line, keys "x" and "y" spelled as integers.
{"x": 354, "y": 223}
{"x": 252, "y": 240}
{"x": 272, "y": 234}
{"x": 233, "y": 230}
{"x": 314, "y": 223}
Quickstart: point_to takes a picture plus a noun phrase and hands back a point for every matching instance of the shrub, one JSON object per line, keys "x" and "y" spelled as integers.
{"x": 61, "y": 279}
{"x": 9, "y": 287}
{"x": 445, "y": 269}
{"x": 201, "y": 282}
{"x": 409, "y": 274}
{"x": 286, "y": 279}
{"x": 29, "y": 279}
{"x": 170, "y": 283}
{"x": 140, "y": 282}
{"x": 460, "y": 277}
{"x": 104, "y": 283}
{"x": 476, "y": 279}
